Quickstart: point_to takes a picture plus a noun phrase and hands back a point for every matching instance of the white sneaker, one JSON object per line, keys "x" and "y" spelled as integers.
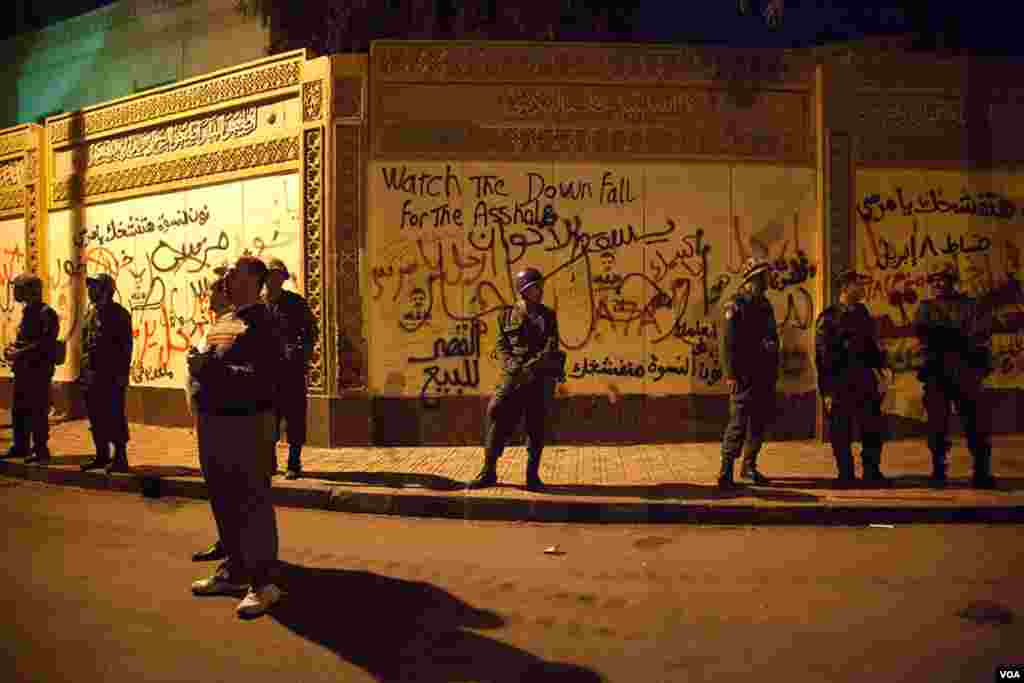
{"x": 217, "y": 585}
{"x": 256, "y": 602}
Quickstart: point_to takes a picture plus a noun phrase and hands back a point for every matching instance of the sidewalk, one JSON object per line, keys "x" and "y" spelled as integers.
{"x": 646, "y": 483}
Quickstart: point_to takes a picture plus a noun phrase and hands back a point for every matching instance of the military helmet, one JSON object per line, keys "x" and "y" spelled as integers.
{"x": 944, "y": 271}
{"x": 754, "y": 267}
{"x": 27, "y": 280}
{"x": 528, "y": 278}
{"x": 102, "y": 281}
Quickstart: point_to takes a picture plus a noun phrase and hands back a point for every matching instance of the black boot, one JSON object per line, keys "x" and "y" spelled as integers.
{"x": 725, "y": 480}
{"x": 120, "y": 461}
{"x": 750, "y": 473}
{"x": 101, "y": 459}
{"x": 872, "y": 469}
{"x": 40, "y": 457}
{"x": 488, "y": 475}
{"x": 844, "y": 465}
{"x": 294, "y": 462}
{"x": 983, "y": 478}
{"x": 938, "y": 467}
{"x": 214, "y": 552}
{"x": 533, "y": 482}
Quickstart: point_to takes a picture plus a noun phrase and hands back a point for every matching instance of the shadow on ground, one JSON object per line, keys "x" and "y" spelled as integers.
{"x": 902, "y": 482}
{"x": 400, "y": 630}
{"x": 674, "y": 491}
{"x": 396, "y": 480}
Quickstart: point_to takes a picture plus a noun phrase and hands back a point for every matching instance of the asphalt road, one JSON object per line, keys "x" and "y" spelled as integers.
{"x": 96, "y": 588}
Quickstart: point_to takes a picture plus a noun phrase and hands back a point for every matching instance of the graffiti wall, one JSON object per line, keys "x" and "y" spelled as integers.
{"x": 910, "y": 221}
{"x": 161, "y": 250}
{"x": 12, "y": 262}
{"x": 637, "y": 259}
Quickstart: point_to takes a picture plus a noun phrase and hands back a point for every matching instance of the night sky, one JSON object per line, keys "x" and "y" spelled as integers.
{"x": 986, "y": 26}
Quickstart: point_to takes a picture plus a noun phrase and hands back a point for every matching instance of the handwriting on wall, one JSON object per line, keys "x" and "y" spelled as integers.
{"x": 12, "y": 264}
{"x": 161, "y": 252}
{"x": 929, "y": 221}
{"x": 632, "y": 284}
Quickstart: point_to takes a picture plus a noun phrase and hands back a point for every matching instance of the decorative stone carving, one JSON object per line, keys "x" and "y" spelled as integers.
{"x": 12, "y": 199}
{"x": 13, "y": 142}
{"x": 910, "y": 114}
{"x": 223, "y": 89}
{"x": 352, "y": 354}
{"x": 32, "y": 228}
{"x": 312, "y": 100}
{"x": 451, "y": 62}
{"x": 348, "y": 97}
{"x": 653, "y": 142}
{"x": 31, "y": 166}
{"x": 313, "y": 220}
{"x": 12, "y": 173}
{"x": 207, "y": 130}
{"x": 223, "y": 161}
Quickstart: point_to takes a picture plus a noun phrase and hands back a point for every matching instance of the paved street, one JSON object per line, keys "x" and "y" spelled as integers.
{"x": 599, "y": 483}
{"x": 96, "y": 589}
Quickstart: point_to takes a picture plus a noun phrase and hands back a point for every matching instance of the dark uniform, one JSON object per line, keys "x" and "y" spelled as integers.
{"x": 749, "y": 350}
{"x": 106, "y": 362}
{"x": 956, "y": 336}
{"x": 33, "y": 368}
{"x": 846, "y": 355}
{"x": 531, "y": 365}
{"x": 298, "y": 329}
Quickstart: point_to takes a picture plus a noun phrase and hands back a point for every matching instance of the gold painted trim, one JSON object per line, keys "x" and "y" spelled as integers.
{"x": 226, "y": 89}
{"x": 312, "y": 100}
{"x": 313, "y": 224}
{"x": 258, "y": 154}
{"x": 14, "y": 141}
{"x": 11, "y": 200}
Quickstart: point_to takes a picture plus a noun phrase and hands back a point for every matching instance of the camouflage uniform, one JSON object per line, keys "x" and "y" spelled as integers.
{"x": 531, "y": 364}
{"x": 749, "y": 350}
{"x": 956, "y": 344}
{"x": 846, "y": 355}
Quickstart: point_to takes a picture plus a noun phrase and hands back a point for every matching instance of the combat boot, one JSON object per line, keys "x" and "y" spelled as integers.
{"x": 488, "y": 475}
{"x": 725, "y": 480}
{"x": 120, "y": 461}
{"x": 750, "y": 473}
{"x": 294, "y": 462}
{"x": 40, "y": 457}
{"x": 101, "y": 459}
{"x": 846, "y": 479}
{"x": 533, "y": 482}
{"x": 873, "y": 472}
{"x": 983, "y": 478}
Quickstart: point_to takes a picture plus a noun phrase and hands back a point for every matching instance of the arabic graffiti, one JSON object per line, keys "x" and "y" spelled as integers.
{"x": 439, "y": 380}
{"x": 141, "y": 225}
{"x": 874, "y": 208}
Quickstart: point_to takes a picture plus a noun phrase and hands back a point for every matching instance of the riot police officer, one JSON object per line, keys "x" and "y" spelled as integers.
{"x": 848, "y": 357}
{"x": 106, "y": 362}
{"x": 531, "y": 364}
{"x": 750, "y": 364}
{"x": 956, "y": 342}
{"x": 32, "y": 357}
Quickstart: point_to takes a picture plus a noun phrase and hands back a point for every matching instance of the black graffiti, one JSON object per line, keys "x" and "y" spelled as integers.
{"x": 710, "y": 374}
{"x": 792, "y": 272}
{"x": 873, "y": 209}
{"x": 442, "y": 215}
{"x": 422, "y": 184}
{"x": 166, "y": 258}
{"x": 912, "y": 251}
{"x": 141, "y": 373}
{"x": 797, "y": 315}
{"x": 140, "y": 225}
{"x": 539, "y": 188}
{"x": 445, "y": 380}
{"x": 461, "y": 345}
{"x": 589, "y": 366}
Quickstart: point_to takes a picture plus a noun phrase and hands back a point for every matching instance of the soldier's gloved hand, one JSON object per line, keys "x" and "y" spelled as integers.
{"x": 828, "y": 405}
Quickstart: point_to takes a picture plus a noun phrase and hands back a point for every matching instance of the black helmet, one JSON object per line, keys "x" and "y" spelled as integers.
{"x": 104, "y": 282}
{"x": 528, "y": 278}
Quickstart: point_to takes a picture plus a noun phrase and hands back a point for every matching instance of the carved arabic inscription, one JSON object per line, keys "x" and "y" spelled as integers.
{"x": 204, "y": 131}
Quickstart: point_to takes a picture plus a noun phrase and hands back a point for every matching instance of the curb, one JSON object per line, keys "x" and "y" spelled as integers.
{"x": 317, "y": 497}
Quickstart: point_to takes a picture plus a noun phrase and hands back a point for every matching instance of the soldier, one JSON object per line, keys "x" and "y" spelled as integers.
{"x": 32, "y": 357}
{"x": 847, "y": 357}
{"x": 106, "y": 362}
{"x": 956, "y": 341}
{"x": 750, "y": 365}
{"x": 298, "y": 328}
{"x": 531, "y": 364}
